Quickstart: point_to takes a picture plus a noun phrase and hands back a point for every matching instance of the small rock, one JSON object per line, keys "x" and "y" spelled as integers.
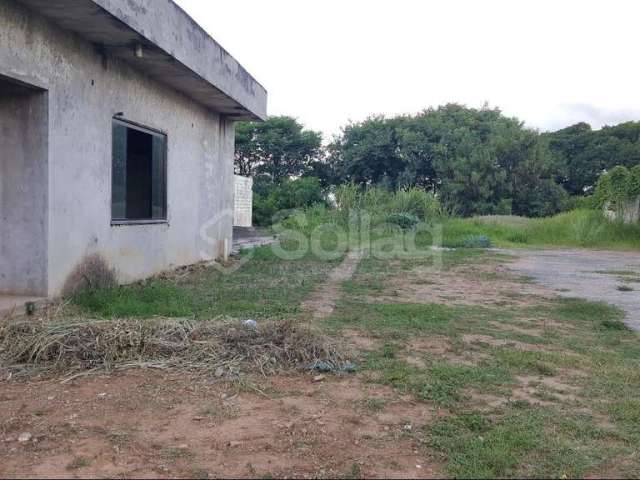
{"x": 408, "y": 427}
{"x": 252, "y": 324}
{"x": 51, "y": 398}
{"x": 234, "y": 444}
{"x": 25, "y": 437}
{"x": 102, "y": 395}
{"x": 418, "y": 466}
{"x": 198, "y": 419}
{"x": 219, "y": 372}
{"x": 319, "y": 378}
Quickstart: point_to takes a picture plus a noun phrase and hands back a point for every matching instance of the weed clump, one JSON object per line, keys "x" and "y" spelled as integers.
{"x": 93, "y": 273}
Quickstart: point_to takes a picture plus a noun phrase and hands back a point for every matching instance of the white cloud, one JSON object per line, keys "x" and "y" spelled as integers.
{"x": 550, "y": 63}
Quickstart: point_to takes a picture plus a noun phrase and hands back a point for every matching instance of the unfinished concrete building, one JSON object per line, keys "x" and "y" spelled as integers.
{"x": 116, "y": 139}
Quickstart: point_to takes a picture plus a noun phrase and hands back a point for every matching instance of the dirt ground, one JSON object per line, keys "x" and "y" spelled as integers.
{"x": 612, "y": 277}
{"x": 149, "y": 424}
{"x": 483, "y": 284}
{"x": 143, "y": 424}
{"x": 157, "y": 424}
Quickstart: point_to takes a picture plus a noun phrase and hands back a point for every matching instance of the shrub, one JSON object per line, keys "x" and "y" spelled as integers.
{"x": 477, "y": 241}
{"x": 300, "y": 193}
{"x": 618, "y": 186}
{"x": 634, "y": 181}
{"x": 406, "y": 221}
{"x": 581, "y": 202}
{"x": 415, "y": 201}
{"x": 270, "y": 198}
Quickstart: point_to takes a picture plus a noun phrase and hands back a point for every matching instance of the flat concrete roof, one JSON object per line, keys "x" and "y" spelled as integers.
{"x": 175, "y": 49}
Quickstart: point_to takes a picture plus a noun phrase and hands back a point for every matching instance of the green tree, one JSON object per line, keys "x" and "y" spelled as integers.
{"x": 279, "y": 148}
{"x": 477, "y": 160}
{"x": 586, "y": 153}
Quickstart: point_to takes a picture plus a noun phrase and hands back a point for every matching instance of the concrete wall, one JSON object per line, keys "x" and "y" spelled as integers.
{"x": 243, "y": 198}
{"x": 85, "y": 91}
{"x": 23, "y": 190}
{"x": 628, "y": 213}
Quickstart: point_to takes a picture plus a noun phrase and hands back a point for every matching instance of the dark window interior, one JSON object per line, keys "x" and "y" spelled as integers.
{"x": 139, "y": 165}
{"x": 139, "y": 174}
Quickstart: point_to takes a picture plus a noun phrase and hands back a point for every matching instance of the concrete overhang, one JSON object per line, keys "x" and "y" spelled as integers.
{"x": 160, "y": 39}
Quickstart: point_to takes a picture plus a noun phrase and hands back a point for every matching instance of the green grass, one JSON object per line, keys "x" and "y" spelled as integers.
{"x": 580, "y": 423}
{"x": 520, "y": 444}
{"x": 264, "y": 287}
{"x": 578, "y": 228}
{"x": 398, "y": 320}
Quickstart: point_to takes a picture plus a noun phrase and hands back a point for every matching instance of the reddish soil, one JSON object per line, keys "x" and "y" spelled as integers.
{"x": 149, "y": 424}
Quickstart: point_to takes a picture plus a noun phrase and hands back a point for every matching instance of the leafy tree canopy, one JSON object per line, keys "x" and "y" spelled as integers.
{"x": 279, "y": 148}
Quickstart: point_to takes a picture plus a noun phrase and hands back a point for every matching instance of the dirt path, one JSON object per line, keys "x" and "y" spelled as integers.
{"x": 323, "y": 301}
{"x": 602, "y": 276}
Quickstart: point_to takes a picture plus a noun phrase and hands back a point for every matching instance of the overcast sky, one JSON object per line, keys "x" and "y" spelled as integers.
{"x": 550, "y": 63}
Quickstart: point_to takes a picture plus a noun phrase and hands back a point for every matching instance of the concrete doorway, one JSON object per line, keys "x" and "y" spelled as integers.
{"x": 24, "y": 192}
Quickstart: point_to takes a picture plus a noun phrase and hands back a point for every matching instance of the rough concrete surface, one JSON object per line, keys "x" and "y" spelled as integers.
{"x": 68, "y": 213}
{"x": 243, "y": 202}
{"x": 600, "y": 276}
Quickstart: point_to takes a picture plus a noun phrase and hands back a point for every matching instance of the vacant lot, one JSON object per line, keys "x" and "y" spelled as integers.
{"x": 465, "y": 369}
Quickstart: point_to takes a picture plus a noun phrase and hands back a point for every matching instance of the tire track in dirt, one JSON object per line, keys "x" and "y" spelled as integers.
{"x": 323, "y": 301}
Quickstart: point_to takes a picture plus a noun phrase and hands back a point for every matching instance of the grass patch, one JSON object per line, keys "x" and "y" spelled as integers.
{"x": 78, "y": 463}
{"x": 615, "y": 325}
{"x": 396, "y": 319}
{"x": 519, "y": 444}
{"x": 264, "y": 287}
{"x": 441, "y": 382}
{"x": 582, "y": 311}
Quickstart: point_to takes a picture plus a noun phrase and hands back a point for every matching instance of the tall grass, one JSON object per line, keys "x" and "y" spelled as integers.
{"x": 379, "y": 202}
{"x": 577, "y": 228}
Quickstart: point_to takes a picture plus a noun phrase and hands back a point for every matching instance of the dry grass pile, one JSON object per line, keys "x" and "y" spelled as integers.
{"x": 220, "y": 347}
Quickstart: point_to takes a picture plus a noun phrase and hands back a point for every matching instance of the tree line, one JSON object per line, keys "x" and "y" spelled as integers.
{"x": 477, "y": 161}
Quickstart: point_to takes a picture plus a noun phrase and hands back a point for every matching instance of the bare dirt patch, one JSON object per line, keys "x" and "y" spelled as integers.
{"x": 477, "y": 339}
{"x": 143, "y": 424}
{"x": 536, "y": 390}
{"x": 323, "y": 301}
{"x": 469, "y": 285}
{"x": 359, "y": 340}
{"x": 509, "y": 327}
{"x": 440, "y": 348}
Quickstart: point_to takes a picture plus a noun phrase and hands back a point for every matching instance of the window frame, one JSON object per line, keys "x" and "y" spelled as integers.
{"x": 154, "y": 132}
